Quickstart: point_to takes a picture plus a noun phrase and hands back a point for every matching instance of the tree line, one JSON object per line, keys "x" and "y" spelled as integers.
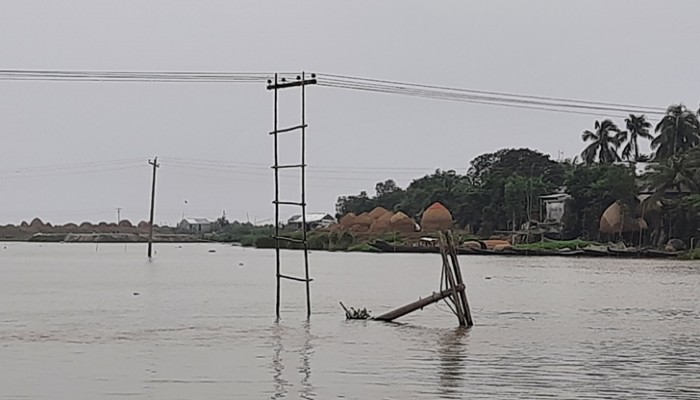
{"x": 501, "y": 190}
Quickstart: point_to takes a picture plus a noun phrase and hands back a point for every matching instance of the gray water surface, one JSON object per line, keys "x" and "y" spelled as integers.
{"x": 80, "y": 321}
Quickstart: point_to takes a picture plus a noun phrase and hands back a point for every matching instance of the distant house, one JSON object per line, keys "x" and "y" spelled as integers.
{"x": 313, "y": 221}
{"x": 195, "y": 225}
{"x": 554, "y": 206}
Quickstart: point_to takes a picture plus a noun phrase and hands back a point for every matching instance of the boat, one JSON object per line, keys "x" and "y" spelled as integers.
{"x": 386, "y": 247}
{"x": 631, "y": 252}
{"x": 653, "y": 253}
{"x": 594, "y": 252}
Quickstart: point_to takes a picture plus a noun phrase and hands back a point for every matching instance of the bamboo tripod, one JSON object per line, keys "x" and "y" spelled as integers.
{"x": 452, "y": 286}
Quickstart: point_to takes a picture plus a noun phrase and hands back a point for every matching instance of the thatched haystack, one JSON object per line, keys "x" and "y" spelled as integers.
{"x": 36, "y": 225}
{"x": 142, "y": 227}
{"x": 401, "y": 222}
{"x": 348, "y": 220}
{"x": 86, "y": 227}
{"x": 382, "y": 224}
{"x": 362, "y": 223}
{"x": 125, "y": 223}
{"x": 378, "y": 212}
{"x": 436, "y": 218}
{"x": 68, "y": 228}
{"x": 616, "y": 220}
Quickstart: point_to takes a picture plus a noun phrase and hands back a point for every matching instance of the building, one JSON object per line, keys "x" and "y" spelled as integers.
{"x": 313, "y": 221}
{"x": 554, "y": 206}
{"x": 195, "y": 225}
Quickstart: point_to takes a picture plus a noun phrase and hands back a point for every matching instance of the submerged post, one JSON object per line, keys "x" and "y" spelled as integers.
{"x": 155, "y": 165}
{"x": 453, "y": 290}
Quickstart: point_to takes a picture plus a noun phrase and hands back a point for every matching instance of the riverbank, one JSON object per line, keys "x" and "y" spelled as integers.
{"x": 367, "y": 243}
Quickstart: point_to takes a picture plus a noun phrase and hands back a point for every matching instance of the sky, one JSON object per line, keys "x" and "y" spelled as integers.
{"x": 77, "y": 151}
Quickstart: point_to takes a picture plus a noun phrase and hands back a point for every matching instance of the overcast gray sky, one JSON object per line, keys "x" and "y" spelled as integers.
{"x": 637, "y": 52}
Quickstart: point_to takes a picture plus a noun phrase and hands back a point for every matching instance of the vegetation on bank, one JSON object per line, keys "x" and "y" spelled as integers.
{"x": 500, "y": 191}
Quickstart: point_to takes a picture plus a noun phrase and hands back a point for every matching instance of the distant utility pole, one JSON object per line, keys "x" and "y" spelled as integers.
{"x": 119, "y": 215}
{"x": 155, "y": 165}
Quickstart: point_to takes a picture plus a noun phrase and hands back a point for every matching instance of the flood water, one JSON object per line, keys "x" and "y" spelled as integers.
{"x": 81, "y": 321}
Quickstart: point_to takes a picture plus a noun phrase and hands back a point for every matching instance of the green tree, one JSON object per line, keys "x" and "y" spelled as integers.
{"x": 593, "y": 188}
{"x": 638, "y": 127}
{"x": 678, "y": 131}
{"x": 605, "y": 141}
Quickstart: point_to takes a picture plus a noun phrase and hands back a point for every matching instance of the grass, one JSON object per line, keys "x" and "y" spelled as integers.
{"x": 363, "y": 247}
{"x": 691, "y": 255}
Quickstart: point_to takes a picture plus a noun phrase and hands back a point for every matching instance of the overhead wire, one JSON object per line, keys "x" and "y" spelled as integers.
{"x": 347, "y": 82}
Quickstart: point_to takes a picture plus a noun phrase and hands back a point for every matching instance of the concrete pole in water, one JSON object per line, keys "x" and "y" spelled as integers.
{"x": 155, "y": 165}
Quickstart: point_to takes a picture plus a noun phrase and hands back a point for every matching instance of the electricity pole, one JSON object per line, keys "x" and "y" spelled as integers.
{"x": 119, "y": 215}
{"x": 155, "y": 165}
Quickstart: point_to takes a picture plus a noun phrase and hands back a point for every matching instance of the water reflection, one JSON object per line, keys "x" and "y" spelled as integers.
{"x": 452, "y": 353}
{"x": 281, "y": 335}
{"x": 305, "y": 363}
{"x": 280, "y": 387}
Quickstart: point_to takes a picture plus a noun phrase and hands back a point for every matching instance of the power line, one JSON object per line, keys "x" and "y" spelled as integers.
{"x": 434, "y": 92}
{"x": 559, "y": 99}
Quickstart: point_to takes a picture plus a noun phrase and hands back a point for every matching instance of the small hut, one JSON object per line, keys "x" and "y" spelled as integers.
{"x": 436, "y": 218}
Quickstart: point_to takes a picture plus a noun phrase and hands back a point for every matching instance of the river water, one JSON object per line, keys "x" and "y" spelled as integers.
{"x": 86, "y": 321}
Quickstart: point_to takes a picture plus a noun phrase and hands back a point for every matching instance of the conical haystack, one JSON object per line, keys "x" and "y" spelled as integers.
{"x": 616, "y": 220}
{"x": 401, "y": 222}
{"x": 362, "y": 223}
{"x": 382, "y": 224}
{"x": 347, "y": 220}
{"x": 436, "y": 218}
{"x": 378, "y": 212}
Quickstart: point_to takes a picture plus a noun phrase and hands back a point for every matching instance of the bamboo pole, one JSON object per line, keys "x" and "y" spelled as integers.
{"x": 416, "y": 305}
{"x": 460, "y": 281}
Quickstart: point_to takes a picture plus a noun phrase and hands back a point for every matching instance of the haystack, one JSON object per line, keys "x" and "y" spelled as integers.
{"x": 35, "y": 226}
{"x": 68, "y": 228}
{"x": 362, "y": 222}
{"x": 436, "y": 218}
{"x": 401, "y": 222}
{"x": 616, "y": 220}
{"x": 347, "y": 220}
{"x": 382, "y": 224}
{"x": 378, "y": 212}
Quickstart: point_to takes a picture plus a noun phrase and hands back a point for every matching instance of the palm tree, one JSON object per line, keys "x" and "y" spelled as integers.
{"x": 678, "y": 131}
{"x": 679, "y": 173}
{"x": 638, "y": 127}
{"x": 604, "y": 145}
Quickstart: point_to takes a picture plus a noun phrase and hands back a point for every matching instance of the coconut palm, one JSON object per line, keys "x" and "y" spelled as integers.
{"x": 605, "y": 141}
{"x": 679, "y": 173}
{"x": 638, "y": 127}
{"x": 678, "y": 131}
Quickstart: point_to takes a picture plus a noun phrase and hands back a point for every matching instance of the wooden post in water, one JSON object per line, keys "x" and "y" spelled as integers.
{"x": 455, "y": 289}
{"x": 462, "y": 294}
{"x": 416, "y": 305}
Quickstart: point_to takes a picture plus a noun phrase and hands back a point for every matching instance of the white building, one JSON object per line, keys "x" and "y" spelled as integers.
{"x": 313, "y": 221}
{"x": 195, "y": 225}
{"x": 554, "y": 205}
